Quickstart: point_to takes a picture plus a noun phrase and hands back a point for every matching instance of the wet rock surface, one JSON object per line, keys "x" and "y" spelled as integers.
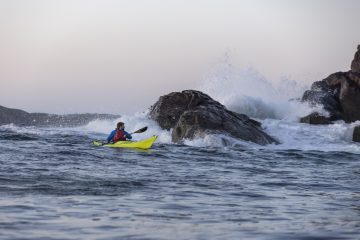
{"x": 316, "y": 119}
{"x": 356, "y": 134}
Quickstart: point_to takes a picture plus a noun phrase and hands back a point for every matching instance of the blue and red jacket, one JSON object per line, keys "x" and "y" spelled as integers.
{"x": 118, "y": 135}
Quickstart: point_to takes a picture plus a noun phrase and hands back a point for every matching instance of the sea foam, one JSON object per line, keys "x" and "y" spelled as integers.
{"x": 247, "y": 91}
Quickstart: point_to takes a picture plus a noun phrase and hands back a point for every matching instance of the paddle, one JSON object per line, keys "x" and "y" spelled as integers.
{"x": 141, "y": 130}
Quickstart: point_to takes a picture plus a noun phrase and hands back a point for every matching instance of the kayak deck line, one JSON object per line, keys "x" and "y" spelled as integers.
{"x": 142, "y": 144}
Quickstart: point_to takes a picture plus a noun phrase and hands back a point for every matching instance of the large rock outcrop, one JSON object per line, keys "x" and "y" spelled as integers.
{"x": 20, "y": 117}
{"x": 193, "y": 114}
{"x": 339, "y": 93}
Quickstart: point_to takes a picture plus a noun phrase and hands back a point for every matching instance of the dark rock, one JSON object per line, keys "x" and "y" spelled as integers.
{"x": 355, "y": 65}
{"x": 350, "y": 97}
{"x": 321, "y": 93}
{"x": 339, "y": 93}
{"x": 20, "y": 117}
{"x": 316, "y": 119}
{"x": 356, "y": 134}
{"x": 15, "y": 116}
{"x": 193, "y": 114}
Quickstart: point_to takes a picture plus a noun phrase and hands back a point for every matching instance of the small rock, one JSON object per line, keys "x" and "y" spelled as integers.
{"x": 356, "y": 134}
{"x": 316, "y": 119}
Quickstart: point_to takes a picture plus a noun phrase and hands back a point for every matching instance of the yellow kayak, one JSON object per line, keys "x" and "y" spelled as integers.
{"x": 142, "y": 144}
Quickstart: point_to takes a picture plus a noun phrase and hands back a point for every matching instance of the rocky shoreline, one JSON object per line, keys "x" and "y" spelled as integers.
{"x": 22, "y": 118}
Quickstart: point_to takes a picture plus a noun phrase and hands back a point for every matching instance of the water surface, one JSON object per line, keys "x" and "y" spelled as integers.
{"x": 55, "y": 185}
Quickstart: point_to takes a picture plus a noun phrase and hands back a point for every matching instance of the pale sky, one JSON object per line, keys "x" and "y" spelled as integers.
{"x": 112, "y": 56}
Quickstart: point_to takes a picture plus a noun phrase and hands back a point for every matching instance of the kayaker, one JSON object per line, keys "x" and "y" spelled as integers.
{"x": 119, "y": 134}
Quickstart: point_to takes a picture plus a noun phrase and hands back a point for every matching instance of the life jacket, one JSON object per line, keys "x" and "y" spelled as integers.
{"x": 119, "y": 136}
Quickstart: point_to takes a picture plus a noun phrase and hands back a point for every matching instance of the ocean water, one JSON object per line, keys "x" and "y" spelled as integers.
{"x": 55, "y": 185}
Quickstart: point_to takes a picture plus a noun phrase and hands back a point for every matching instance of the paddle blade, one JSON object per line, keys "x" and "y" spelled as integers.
{"x": 141, "y": 130}
{"x": 98, "y": 143}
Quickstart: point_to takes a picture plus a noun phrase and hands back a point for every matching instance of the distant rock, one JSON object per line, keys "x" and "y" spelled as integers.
{"x": 20, "y": 117}
{"x": 15, "y": 116}
{"x": 316, "y": 119}
{"x": 339, "y": 93}
{"x": 194, "y": 114}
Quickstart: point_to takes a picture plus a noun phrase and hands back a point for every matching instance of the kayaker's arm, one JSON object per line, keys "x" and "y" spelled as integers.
{"x": 128, "y": 136}
{"x": 111, "y": 136}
